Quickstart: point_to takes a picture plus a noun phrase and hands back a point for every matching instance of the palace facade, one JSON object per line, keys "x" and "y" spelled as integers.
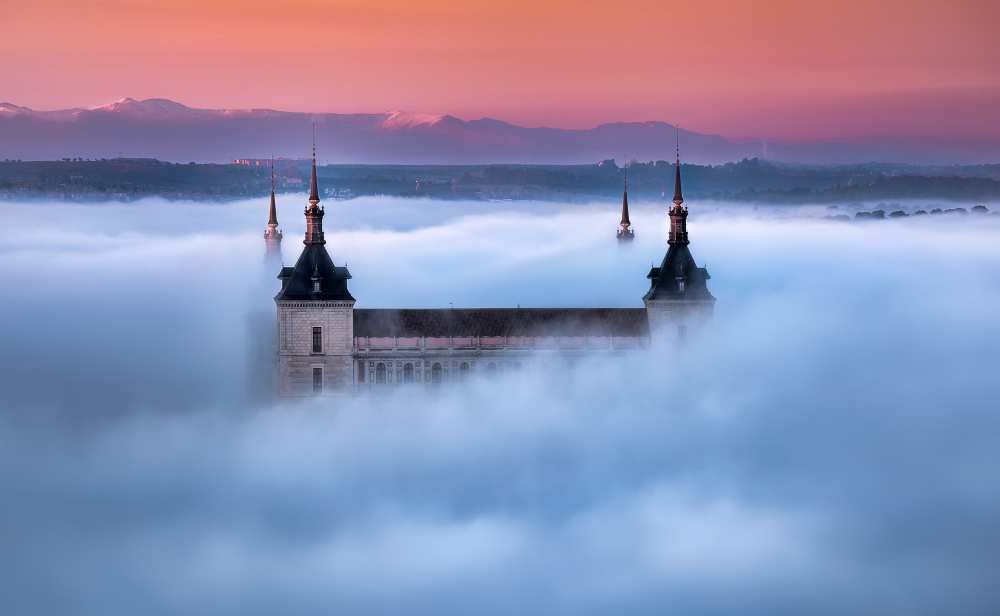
{"x": 328, "y": 345}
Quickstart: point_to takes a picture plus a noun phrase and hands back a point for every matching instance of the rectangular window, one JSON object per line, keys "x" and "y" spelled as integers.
{"x": 317, "y": 380}
{"x": 317, "y": 340}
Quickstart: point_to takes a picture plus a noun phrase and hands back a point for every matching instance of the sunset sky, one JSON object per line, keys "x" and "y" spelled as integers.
{"x": 791, "y": 70}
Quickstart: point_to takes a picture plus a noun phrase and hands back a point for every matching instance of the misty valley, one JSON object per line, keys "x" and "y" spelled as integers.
{"x": 841, "y": 404}
{"x": 434, "y": 308}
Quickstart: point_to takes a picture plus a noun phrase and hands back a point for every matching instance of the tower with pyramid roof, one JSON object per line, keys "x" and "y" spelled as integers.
{"x": 315, "y": 313}
{"x": 678, "y": 297}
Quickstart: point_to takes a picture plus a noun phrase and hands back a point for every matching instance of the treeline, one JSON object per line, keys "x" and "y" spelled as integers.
{"x": 746, "y": 180}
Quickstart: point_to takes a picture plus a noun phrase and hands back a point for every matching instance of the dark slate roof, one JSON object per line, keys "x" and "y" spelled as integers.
{"x": 678, "y": 262}
{"x": 443, "y": 322}
{"x": 296, "y": 282}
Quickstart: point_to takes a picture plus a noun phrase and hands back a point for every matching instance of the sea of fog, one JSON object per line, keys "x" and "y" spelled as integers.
{"x": 829, "y": 445}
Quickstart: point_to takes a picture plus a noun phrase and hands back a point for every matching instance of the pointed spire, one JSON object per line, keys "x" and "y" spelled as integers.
{"x": 273, "y": 210}
{"x": 272, "y": 218}
{"x": 272, "y": 234}
{"x": 313, "y": 185}
{"x": 678, "y": 214}
{"x": 625, "y": 232}
{"x": 678, "y": 197}
{"x": 314, "y": 213}
{"x": 625, "y": 221}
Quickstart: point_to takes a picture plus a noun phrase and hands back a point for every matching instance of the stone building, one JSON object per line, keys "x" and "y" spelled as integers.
{"x": 326, "y": 345}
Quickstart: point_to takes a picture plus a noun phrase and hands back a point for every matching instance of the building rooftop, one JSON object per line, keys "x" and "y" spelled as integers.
{"x": 297, "y": 282}
{"x": 442, "y": 322}
{"x": 678, "y": 265}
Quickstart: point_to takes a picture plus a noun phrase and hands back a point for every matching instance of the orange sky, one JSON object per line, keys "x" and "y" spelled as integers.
{"x": 779, "y": 69}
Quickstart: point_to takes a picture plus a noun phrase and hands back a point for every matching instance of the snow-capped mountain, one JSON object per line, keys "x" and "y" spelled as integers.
{"x": 168, "y": 130}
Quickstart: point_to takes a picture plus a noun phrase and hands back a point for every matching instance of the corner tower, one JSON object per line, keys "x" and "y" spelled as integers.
{"x": 625, "y": 232}
{"x": 678, "y": 296}
{"x": 315, "y": 314}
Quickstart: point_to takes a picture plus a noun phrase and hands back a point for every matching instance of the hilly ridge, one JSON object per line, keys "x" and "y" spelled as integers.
{"x": 168, "y": 130}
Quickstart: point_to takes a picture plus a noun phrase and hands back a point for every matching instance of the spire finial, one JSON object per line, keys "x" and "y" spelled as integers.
{"x": 313, "y": 184}
{"x": 678, "y": 196}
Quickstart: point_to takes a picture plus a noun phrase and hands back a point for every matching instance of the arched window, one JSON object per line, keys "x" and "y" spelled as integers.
{"x": 491, "y": 367}
{"x": 380, "y": 373}
{"x": 408, "y": 373}
{"x": 463, "y": 370}
{"x": 436, "y": 372}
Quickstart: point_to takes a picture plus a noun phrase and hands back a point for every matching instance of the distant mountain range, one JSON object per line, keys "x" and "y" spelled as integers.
{"x": 167, "y": 130}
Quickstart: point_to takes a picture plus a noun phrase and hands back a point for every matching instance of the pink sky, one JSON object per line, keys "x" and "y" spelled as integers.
{"x": 785, "y": 69}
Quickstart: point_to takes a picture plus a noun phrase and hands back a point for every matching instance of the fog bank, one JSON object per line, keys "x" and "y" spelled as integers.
{"x": 828, "y": 446}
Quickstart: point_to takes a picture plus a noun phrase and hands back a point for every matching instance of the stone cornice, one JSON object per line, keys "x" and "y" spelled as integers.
{"x": 312, "y": 304}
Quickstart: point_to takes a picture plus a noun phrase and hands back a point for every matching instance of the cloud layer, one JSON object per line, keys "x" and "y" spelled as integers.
{"x": 828, "y": 446}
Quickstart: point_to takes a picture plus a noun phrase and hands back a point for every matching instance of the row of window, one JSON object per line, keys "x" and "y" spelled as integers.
{"x": 436, "y": 369}
{"x": 410, "y": 371}
{"x": 317, "y": 347}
